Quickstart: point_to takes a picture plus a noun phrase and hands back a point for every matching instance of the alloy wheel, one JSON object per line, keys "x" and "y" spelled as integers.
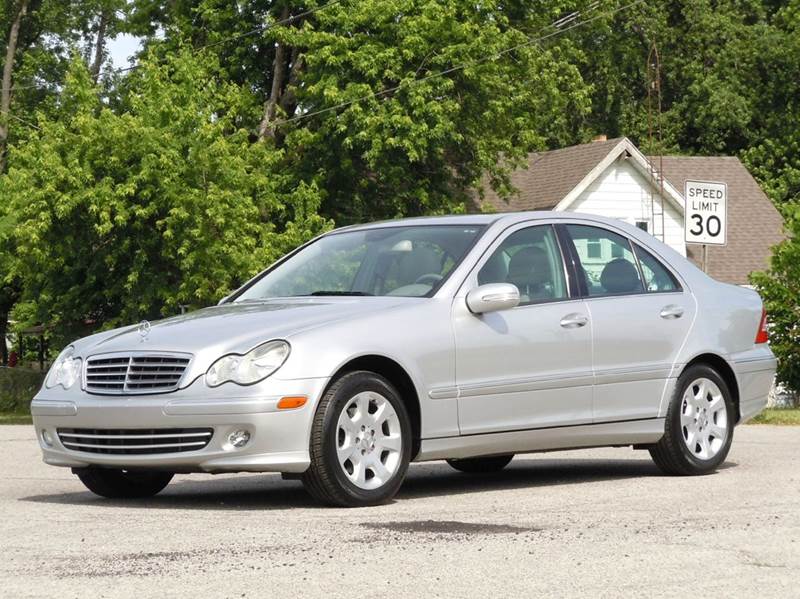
{"x": 704, "y": 419}
{"x": 369, "y": 440}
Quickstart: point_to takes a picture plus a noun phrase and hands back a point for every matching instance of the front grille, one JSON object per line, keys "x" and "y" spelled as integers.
{"x": 135, "y": 441}
{"x": 122, "y": 374}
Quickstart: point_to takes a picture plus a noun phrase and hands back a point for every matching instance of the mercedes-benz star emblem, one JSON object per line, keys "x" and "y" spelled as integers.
{"x": 144, "y": 329}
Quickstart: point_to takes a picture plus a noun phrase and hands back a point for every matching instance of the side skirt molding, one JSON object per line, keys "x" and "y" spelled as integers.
{"x": 631, "y": 432}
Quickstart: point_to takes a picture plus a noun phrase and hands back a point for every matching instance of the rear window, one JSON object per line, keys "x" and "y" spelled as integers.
{"x": 657, "y": 277}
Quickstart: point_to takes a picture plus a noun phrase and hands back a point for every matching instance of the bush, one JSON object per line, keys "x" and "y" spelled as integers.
{"x": 780, "y": 289}
{"x": 17, "y": 388}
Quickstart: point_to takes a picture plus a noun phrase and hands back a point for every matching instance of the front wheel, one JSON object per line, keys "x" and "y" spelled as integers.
{"x": 360, "y": 442}
{"x": 123, "y": 484}
{"x": 699, "y": 424}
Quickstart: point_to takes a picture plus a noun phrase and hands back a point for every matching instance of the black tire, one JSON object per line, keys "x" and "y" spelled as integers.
{"x": 671, "y": 454}
{"x": 325, "y": 479}
{"x": 483, "y": 465}
{"x": 123, "y": 484}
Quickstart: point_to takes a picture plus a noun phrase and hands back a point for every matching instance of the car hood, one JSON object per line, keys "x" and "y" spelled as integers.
{"x": 232, "y": 328}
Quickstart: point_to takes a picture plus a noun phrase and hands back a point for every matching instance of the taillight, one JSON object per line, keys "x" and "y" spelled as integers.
{"x": 762, "y": 336}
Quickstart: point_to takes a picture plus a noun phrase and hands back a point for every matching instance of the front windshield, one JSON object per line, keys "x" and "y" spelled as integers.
{"x": 409, "y": 261}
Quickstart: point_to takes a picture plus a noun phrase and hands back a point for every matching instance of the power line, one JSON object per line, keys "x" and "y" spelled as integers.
{"x": 262, "y": 29}
{"x": 558, "y": 24}
{"x": 461, "y": 67}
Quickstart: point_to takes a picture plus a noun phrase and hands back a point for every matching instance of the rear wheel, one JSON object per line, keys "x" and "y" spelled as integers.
{"x": 360, "y": 442}
{"x": 123, "y": 484}
{"x": 699, "y": 424}
{"x": 481, "y": 465}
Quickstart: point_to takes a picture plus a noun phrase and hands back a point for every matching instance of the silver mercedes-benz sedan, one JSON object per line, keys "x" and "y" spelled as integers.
{"x": 464, "y": 338}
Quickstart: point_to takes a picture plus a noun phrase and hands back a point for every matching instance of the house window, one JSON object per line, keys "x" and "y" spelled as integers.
{"x": 642, "y": 224}
{"x": 593, "y": 248}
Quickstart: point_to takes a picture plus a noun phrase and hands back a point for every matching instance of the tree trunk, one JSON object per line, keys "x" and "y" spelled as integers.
{"x": 99, "y": 46}
{"x": 3, "y": 333}
{"x": 288, "y": 97}
{"x": 8, "y": 71}
{"x": 267, "y": 129}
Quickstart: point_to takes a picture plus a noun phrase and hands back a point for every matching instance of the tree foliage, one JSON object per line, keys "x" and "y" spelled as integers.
{"x": 248, "y": 126}
{"x": 124, "y": 216}
{"x": 410, "y": 140}
{"x": 730, "y": 77}
{"x": 780, "y": 290}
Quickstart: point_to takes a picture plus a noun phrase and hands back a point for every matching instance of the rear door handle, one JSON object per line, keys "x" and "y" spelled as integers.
{"x": 574, "y": 321}
{"x": 671, "y": 312}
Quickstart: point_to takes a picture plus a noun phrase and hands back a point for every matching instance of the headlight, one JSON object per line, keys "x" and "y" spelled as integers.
{"x": 250, "y": 368}
{"x": 64, "y": 371}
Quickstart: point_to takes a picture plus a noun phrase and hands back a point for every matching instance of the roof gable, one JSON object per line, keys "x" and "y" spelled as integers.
{"x": 550, "y": 176}
{"x": 555, "y": 179}
{"x": 627, "y": 148}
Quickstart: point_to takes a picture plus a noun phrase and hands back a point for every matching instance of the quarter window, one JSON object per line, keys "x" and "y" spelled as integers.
{"x": 656, "y": 276}
{"x": 611, "y": 271}
{"x": 531, "y": 260}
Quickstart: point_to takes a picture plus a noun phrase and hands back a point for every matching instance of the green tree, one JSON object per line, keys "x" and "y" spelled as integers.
{"x": 730, "y": 81}
{"x": 35, "y": 41}
{"x": 780, "y": 289}
{"x": 418, "y": 131}
{"x": 407, "y": 151}
{"x": 120, "y": 217}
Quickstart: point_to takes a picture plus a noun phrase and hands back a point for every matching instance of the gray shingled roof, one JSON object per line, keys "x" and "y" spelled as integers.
{"x": 754, "y": 225}
{"x": 549, "y": 177}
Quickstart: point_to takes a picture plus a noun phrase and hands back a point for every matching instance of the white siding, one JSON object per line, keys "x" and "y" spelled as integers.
{"x": 625, "y": 193}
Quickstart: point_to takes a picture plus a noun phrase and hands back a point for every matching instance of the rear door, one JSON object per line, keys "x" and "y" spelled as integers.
{"x": 640, "y": 317}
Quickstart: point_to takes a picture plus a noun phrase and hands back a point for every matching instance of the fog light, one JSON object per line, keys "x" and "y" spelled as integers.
{"x": 239, "y": 438}
{"x": 48, "y": 440}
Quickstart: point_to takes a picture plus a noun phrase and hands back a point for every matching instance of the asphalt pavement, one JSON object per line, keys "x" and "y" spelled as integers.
{"x": 590, "y": 523}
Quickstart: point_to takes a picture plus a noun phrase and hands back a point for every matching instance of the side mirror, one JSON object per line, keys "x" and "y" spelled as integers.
{"x": 492, "y": 297}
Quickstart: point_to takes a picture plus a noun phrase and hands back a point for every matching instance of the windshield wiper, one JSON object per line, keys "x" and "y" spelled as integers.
{"x": 339, "y": 293}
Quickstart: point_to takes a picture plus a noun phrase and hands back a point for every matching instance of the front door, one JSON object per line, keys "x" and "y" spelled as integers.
{"x": 529, "y": 366}
{"x": 640, "y": 317}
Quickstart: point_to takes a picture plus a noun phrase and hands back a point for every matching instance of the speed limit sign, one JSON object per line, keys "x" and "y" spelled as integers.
{"x": 706, "y": 214}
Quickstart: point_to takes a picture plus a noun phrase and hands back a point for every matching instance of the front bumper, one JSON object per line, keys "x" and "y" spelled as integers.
{"x": 278, "y": 438}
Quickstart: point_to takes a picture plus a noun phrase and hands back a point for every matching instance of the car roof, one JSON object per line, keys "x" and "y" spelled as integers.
{"x": 459, "y": 219}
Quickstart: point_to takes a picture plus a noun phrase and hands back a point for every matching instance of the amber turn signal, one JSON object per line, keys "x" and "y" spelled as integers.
{"x": 291, "y": 402}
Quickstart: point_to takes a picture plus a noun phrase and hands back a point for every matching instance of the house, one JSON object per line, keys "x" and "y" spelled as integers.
{"x": 611, "y": 177}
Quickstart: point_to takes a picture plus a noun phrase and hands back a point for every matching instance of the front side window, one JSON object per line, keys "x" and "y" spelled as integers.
{"x": 531, "y": 260}
{"x": 409, "y": 261}
{"x": 610, "y": 269}
{"x": 656, "y": 276}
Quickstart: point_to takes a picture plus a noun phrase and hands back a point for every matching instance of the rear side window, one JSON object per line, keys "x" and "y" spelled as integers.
{"x": 607, "y": 263}
{"x": 657, "y": 278}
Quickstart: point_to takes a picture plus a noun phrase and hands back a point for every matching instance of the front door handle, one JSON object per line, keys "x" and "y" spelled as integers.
{"x": 671, "y": 312}
{"x": 574, "y": 321}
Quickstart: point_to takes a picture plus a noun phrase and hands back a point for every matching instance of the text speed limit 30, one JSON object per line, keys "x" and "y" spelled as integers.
{"x": 706, "y": 212}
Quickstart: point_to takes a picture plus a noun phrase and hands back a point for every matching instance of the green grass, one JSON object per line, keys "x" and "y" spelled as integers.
{"x": 14, "y": 418}
{"x": 785, "y": 416}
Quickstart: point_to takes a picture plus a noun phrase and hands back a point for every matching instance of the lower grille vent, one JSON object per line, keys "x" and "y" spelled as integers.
{"x": 135, "y": 441}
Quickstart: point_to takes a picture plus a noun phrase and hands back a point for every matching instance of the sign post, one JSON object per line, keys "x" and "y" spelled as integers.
{"x": 706, "y": 215}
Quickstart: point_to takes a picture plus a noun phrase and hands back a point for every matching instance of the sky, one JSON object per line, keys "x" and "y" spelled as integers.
{"x": 121, "y": 48}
